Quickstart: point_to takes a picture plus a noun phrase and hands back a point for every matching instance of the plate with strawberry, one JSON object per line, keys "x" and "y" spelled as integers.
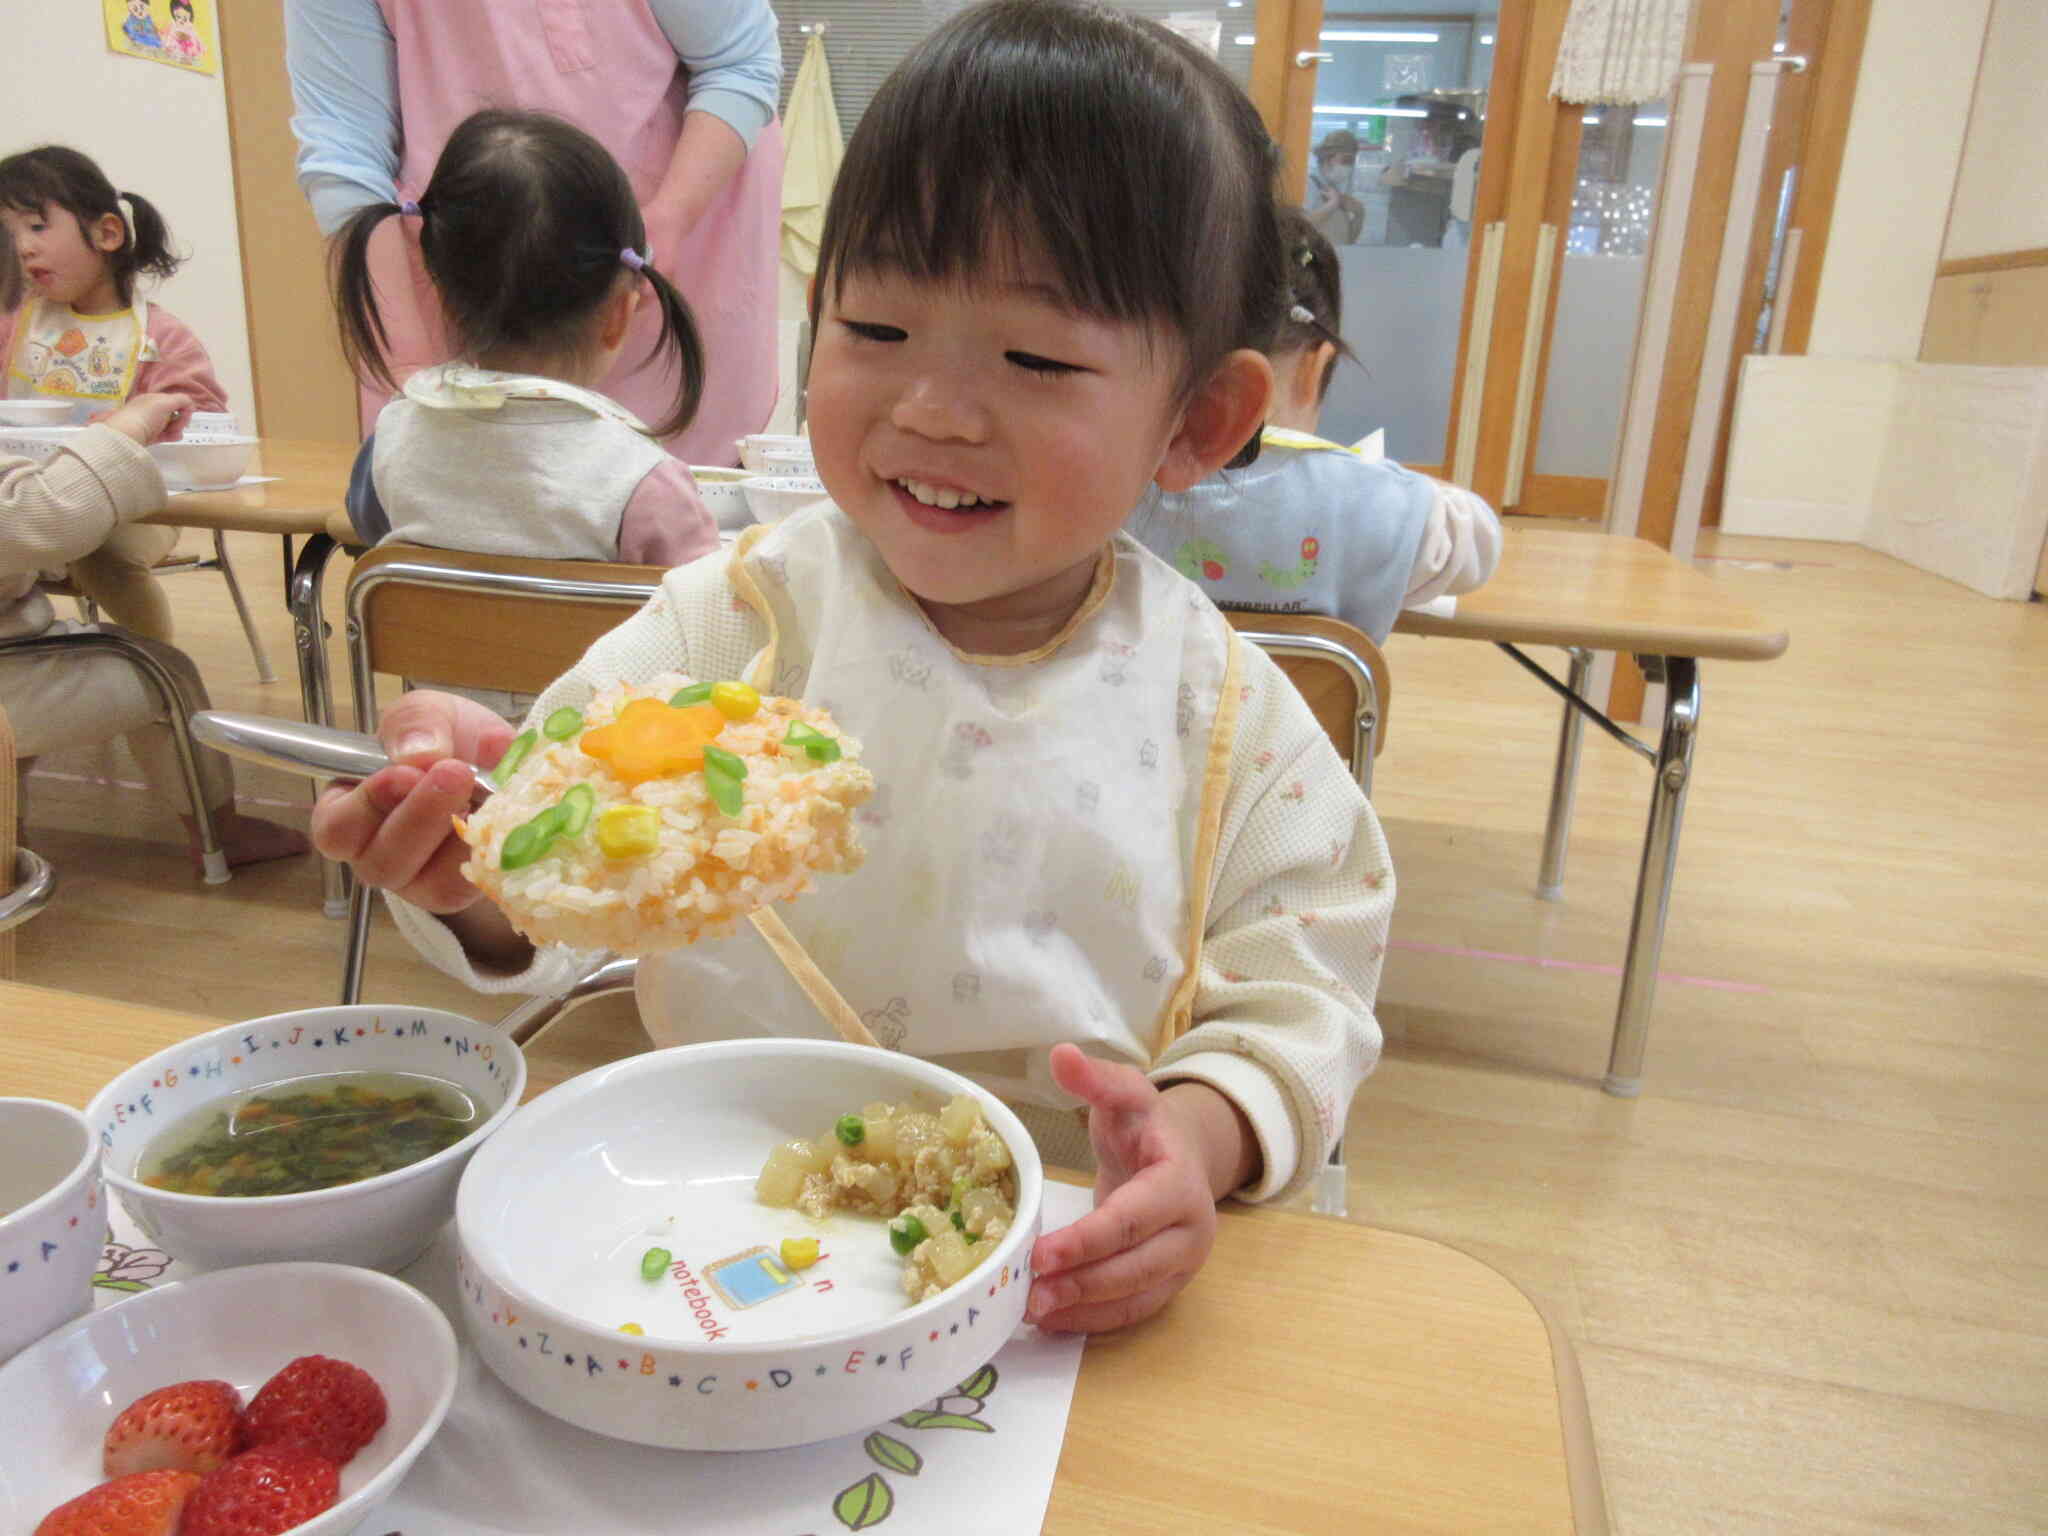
{"x": 244, "y": 1402}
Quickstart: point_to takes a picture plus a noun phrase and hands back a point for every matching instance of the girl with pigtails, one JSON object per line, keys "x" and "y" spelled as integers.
{"x": 538, "y": 257}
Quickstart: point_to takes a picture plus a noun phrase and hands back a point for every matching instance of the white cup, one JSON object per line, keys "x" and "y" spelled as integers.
{"x": 53, "y": 1219}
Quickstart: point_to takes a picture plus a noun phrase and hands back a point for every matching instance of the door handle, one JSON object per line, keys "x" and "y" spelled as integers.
{"x": 1307, "y": 60}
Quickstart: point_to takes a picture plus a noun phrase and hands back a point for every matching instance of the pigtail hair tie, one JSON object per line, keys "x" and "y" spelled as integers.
{"x": 633, "y": 259}
{"x": 409, "y": 210}
{"x": 1301, "y": 315}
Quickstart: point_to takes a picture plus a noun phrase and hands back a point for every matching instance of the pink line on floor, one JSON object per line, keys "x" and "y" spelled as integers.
{"x": 1545, "y": 962}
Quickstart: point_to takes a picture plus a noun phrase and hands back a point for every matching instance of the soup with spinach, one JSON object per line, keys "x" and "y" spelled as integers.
{"x": 309, "y": 1133}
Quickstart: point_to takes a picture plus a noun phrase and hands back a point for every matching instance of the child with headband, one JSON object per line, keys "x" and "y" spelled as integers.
{"x": 538, "y": 258}
{"x": 1313, "y": 526}
{"x": 83, "y": 333}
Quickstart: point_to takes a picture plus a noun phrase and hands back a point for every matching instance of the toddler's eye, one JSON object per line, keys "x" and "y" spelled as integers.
{"x": 1037, "y": 364}
{"x": 868, "y": 331}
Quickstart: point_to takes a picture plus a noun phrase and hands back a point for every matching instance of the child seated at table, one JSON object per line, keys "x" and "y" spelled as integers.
{"x": 1312, "y": 526}
{"x": 1115, "y": 870}
{"x": 49, "y": 514}
{"x": 85, "y": 335}
{"x": 537, "y": 252}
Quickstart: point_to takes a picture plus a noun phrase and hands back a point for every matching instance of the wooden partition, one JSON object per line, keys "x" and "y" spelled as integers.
{"x": 303, "y": 388}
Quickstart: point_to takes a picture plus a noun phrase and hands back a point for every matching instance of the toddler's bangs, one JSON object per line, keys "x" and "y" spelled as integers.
{"x": 1051, "y": 139}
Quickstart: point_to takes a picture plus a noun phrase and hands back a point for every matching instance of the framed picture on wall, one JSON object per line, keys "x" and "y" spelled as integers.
{"x": 180, "y": 33}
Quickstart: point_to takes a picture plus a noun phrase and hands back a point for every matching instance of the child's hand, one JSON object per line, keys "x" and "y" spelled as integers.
{"x": 150, "y": 418}
{"x": 394, "y": 827}
{"x": 1155, "y": 1201}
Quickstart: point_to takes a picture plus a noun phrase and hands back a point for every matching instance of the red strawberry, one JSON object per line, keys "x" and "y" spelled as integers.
{"x": 193, "y": 1426}
{"x": 140, "y": 1504}
{"x": 262, "y": 1492}
{"x": 328, "y": 1406}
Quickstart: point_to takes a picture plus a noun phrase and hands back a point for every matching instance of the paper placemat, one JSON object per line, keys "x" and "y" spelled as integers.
{"x": 981, "y": 1458}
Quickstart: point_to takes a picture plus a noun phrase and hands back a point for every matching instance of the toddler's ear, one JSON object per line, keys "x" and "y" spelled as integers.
{"x": 109, "y": 233}
{"x": 1226, "y": 409}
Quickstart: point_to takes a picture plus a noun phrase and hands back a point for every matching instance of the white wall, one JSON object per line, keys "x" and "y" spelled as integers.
{"x": 154, "y": 129}
{"x": 1898, "y": 173}
{"x": 2001, "y": 199}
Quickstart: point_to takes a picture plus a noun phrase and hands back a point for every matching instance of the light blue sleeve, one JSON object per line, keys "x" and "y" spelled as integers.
{"x": 343, "y": 64}
{"x": 733, "y": 55}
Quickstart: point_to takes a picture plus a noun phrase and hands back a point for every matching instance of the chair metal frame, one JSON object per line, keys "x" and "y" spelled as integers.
{"x": 541, "y": 582}
{"x": 213, "y": 862}
{"x": 1316, "y": 638}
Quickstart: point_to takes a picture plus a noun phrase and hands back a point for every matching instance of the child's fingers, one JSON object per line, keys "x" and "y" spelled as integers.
{"x": 422, "y": 727}
{"x": 416, "y": 827}
{"x": 1151, "y": 1200}
{"x": 1170, "y": 1257}
{"x": 1102, "y": 1316}
{"x": 348, "y": 815}
{"x": 1108, "y": 1087}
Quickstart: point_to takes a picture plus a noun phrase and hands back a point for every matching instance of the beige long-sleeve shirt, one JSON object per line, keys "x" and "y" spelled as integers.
{"x": 53, "y": 512}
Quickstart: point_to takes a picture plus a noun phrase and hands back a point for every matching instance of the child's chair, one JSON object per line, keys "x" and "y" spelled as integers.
{"x": 475, "y": 621}
{"x": 1344, "y": 679}
{"x": 89, "y": 612}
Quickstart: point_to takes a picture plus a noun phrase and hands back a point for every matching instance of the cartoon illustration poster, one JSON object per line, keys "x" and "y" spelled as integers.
{"x": 179, "y": 32}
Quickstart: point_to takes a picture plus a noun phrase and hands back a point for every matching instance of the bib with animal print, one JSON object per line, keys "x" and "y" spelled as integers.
{"x": 88, "y": 358}
{"x": 1033, "y": 837}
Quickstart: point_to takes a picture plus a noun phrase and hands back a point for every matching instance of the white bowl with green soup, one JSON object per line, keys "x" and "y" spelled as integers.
{"x": 329, "y": 1134}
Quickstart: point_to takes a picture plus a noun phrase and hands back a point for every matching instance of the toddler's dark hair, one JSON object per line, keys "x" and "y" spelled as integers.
{"x": 1315, "y": 287}
{"x": 522, "y": 227}
{"x": 1077, "y": 133}
{"x": 54, "y": 175}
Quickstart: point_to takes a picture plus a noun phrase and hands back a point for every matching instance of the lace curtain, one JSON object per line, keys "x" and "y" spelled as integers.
{"x": 1620, "y": 52}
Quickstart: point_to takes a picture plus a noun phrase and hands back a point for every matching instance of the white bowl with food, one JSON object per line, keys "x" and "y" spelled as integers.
{"x": 757, "y": 448}
{"x": 329, "y": 1134}
{"x": 622, "y": 1244}
{"x": 724, "y": 494}
{"x": 59, "y": 1398}
{"x": 209, "y": 462}
{"x": 774, "y": 497}
{"x": 52, "y": 1218}
{"x": 38, "y": 413}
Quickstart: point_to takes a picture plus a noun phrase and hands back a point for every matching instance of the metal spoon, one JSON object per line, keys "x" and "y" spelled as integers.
{"x": 318, "y": 751}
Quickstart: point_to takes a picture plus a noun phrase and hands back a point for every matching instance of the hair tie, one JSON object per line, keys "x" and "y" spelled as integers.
{"x": 1306, "y": 256}
{"x": 633, "y": 259}
{"x": 410, "y": 210}
{"x": 1301, "y": 315}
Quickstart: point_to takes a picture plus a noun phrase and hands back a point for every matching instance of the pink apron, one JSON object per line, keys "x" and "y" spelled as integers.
{"x": 607, "y": 67}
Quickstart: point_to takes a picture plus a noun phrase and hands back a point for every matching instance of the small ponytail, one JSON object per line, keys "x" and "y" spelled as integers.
{"x": 678, "y": 332}
{"x": 1314, "y": 292}
{"x": 364, "y": 342}
{"x": 148, "y": 248}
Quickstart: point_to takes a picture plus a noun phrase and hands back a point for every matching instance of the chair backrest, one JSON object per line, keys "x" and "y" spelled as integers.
{"x": 1339, "y": 673}
{"x": 8, "y": 812}
{"x": 480, "y": 621}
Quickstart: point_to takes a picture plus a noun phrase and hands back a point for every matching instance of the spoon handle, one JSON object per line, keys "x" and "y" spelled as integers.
{"x": 319, "y": 751}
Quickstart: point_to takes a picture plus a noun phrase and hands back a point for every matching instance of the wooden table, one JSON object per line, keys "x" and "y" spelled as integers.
{"x": 1594, "y": 592}
{"x": 1320, "y": 1376}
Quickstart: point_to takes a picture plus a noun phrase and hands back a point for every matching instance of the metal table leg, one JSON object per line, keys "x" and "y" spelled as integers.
{"x": 309, "y": 632}
{"x": 1653, "y": 880}
{"x": 1564, "y": 781}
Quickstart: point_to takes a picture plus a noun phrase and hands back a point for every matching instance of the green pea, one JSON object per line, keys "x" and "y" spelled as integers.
{"x": 905, "y": 1233}
{"x": 514, "y": 756}
{"x": 576, "y": 807}
{"x": 851, "y": 1130}
{"x": 562, "y": 724}
{"x": 654, "y": 1263}
{"x": 696, "y": 693}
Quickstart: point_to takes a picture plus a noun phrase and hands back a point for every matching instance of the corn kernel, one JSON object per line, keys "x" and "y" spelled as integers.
{"x": 633, "y": 1328}
{"x": 799, "y": 1252}
{"x": 628, "y": 831}
{"x": 735, "y": 701}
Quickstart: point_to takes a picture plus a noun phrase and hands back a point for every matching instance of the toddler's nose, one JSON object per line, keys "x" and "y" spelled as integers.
{"x": 941, "y": 409}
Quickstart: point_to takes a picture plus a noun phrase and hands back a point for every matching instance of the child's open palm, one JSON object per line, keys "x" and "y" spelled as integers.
{"x": 1155, "y": 1213}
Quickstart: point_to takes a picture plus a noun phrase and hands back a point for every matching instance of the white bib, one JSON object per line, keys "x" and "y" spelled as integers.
{"x": 88, "y": 358}
{"x": 1037, "y": 868}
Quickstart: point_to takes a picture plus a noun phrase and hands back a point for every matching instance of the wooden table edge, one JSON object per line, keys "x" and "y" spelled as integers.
{"x": 1707, "y": 645}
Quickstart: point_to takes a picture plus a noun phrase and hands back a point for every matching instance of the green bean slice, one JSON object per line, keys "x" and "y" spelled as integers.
{"x": 562, "y": 724}
{"x": 696, "y": 693}
{"x": 576, "y": 807}
{"x": 515, "y": 754}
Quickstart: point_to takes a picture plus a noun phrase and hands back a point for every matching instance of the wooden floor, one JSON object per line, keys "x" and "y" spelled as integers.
{"x": 1806, "y": 1272}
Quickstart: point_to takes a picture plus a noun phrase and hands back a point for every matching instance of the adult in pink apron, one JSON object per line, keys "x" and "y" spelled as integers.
{"x": 608, "y": 67}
